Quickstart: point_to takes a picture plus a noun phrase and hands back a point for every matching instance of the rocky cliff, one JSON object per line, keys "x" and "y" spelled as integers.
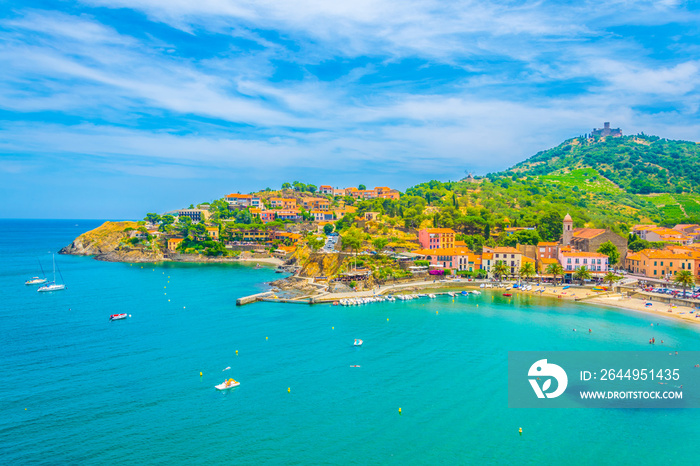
{"x": 105, "y": 243}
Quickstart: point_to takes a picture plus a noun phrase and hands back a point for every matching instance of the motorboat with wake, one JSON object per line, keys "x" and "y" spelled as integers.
{"x": 226, "y": 384}
{"x": 357, "y": 342}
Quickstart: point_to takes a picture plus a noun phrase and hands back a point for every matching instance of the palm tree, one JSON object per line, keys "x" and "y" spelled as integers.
{"x": 611, "y": 278}
{"x": 500, "y": 269}
{"x": 555, "y": 269}
{"x": 582, "y": 274}
{"x": 527, "y": 270}
{"x": 685, "y": 279}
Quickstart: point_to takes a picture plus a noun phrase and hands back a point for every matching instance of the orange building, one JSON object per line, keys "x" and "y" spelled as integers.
{"x": 173, "y": 243}
{"x": 283, "y": 202}
{"x": 316, "y": 203}
{"x": 663, "y": 263}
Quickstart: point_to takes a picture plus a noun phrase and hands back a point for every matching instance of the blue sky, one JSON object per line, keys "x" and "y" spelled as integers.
{"x": 114, "y": 108}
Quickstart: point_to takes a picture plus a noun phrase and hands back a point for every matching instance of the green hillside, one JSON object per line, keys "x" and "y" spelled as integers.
{"x": 603, "y": 183}
{"x": 638, "y": 164}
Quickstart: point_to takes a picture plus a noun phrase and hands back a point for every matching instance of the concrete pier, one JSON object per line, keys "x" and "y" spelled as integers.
{"x": 253, "y": 298}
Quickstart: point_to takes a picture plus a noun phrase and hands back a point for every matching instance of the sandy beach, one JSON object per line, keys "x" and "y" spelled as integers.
{"x": 583, "y": 295}
{"x": 586, "y": 295}
{"x": 261, "y": 260}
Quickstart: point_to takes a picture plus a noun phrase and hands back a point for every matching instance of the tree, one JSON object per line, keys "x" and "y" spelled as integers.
{"x": 522, "y": 237}
{"x": 610, "y": 250}
{"x": 550, "y": 226}
{"x": 555, "y": 269}
{"x": 362, "y": 187}
{"x": 487, "y": 231}
{"x": 527, "y": 270}
{"x": 328, "y": 228}
{"x": 311, "y": 188}
{"x": 611, "y": 278}
{"x": 286, "y": 186}
{"x": 582, "y": 274}
{"x": 152, "y": 218}
{"x": 314, "y": 242}
{"x": 685, "y": 279}
{"x": 352, "y": 239}
{"x": 379, "y": 244}
{"x": 165, "y": 221}
{"x": 500, "y": 269}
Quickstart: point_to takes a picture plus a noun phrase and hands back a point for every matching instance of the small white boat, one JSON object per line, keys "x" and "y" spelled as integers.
{"x": 450, "y": 293}
{"x": 358, "y": 342}
{"x": 117, "y": 316}
{"x": 53, "y": 286}
{"x": 35, "y": 281}
{"x": 226, "y": 384}
{"x": 432, "y": 296}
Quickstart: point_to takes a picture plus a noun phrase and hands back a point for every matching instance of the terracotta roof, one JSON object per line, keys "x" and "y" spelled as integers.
{"x": 439, "y": 230}
{"x": 505, "y": 249}
{"x": 487, "y": 255}
{"x": 588, "y": 233}
{"x": 547, "y": 260}
{"x": 663, "y": 254}
{"x": 240, "y": 196}
{"x": 176, "y": 240}
{"x": 545, "y": 243}
{"x": 528, "y": 259}
{"x": 583, "y": 254}
{"x": 443, "y": 252}
{"x": 567, "y": 217}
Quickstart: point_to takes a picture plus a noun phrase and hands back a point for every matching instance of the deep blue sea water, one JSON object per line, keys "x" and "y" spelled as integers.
{"x": 78, "y": 389}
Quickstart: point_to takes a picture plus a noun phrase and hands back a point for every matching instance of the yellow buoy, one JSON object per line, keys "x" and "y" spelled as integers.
{"x": 266, "y": 338}
{"x": 477, "y": 305}
{"x": 332, "y": 328}
{"x": 165, "y": 287}
{"x": 399, "y": 411}
{"x": 168, "y": 300}
{"x": 387, "y": 319}
{"x": 289, "y": 389}
{"x": 436, "y": 312}
{"x": 521, "y": 431}
{"x": 200, "y": 374}
{"x": 236, "y": 351}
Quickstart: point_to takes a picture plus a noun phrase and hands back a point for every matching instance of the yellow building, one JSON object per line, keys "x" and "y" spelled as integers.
{"x": 173, "y": 243}
{"x": 213, "y": 232}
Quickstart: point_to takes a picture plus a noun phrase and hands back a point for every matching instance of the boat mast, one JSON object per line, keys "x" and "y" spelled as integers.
{"x": 43, "y": 274}
{"x": 59, "y": 274}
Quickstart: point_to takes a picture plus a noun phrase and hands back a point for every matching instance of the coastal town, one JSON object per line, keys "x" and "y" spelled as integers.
{"x": 355, "y": 240}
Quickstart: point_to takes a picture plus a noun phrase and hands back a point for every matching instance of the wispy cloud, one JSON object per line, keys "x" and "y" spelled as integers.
{"x": 409, "y": 90}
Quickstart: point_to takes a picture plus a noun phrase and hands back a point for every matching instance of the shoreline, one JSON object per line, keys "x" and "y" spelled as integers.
{"x": 573, "y": 294}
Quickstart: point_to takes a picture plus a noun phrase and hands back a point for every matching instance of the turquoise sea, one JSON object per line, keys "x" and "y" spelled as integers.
{"x": 78, "y": 389}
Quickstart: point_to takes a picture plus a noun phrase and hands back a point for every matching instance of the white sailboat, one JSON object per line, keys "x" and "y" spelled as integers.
{"x": 53, "y": 286}
{"x": 37, "y": 280}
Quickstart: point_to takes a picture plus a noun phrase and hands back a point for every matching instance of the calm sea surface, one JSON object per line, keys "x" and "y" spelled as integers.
{"x": 78, "y": 389}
